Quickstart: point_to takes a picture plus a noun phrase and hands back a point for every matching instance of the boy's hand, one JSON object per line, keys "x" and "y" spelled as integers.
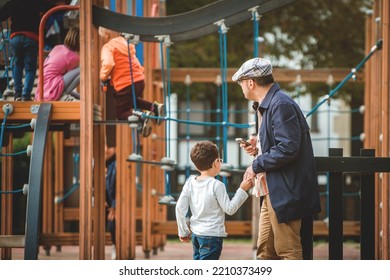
{"x": 104, "y": 85}
{"x": 247, "y": 184}
{"x": 185, "y": 239}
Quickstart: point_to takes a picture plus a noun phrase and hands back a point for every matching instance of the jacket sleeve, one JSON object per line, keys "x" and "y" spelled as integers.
{"x": 107, "y": 62}
{"x": 132, "y": 50}
{"x": 285, "y": 133}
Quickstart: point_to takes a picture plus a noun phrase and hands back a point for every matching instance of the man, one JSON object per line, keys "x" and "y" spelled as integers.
{"x": 290, "y": 194}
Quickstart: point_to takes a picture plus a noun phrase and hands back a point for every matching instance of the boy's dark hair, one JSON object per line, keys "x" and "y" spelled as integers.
{"x": 264, "y": 81}
{"x": 72, "y": 39}
{"x": 203, "y": 155}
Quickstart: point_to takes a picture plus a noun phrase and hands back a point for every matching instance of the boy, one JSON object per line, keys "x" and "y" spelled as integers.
{"x": 208, "y": 201}
{"x": 125, "y": 74}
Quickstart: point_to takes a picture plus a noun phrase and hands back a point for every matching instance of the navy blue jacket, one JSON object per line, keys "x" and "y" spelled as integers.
{"x": 287, "y": 158}
{"x": 111, "y": 182}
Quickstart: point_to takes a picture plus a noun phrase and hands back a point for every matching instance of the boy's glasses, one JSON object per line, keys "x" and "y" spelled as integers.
{"x": 219, "y": 160}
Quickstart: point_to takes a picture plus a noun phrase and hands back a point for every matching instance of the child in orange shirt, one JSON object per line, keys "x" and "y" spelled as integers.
{"x": 125, "y": 74}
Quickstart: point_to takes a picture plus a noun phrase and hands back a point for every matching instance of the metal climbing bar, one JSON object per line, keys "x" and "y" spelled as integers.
{"x": 184, "y": 26}
{"x": 41, "y": 42}
{"x": 33, "y": 214}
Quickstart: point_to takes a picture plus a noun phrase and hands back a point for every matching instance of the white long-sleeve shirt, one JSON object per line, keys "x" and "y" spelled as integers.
{"x": 208, "y": 202}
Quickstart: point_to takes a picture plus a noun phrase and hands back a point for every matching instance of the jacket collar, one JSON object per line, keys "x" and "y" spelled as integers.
{"x": 268, "y": 97}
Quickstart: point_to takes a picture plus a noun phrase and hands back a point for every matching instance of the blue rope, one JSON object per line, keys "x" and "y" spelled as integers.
{"x": 3, "y": 125}
{"x": 166, "y": 96}
{"x": 355, "y": 110}
{"x": 377, "y": 46}
{"x": 255, "y": 34}
{"x": 255, "y": 47}
{"x": 14, "y": 154}
{"x": 18, "y": 126}
{"x": 168, "y": 173}
{"x": 136, "y": 144}
{"x": 131, "y": 75}
{"x": 74, "y": 187}
{"x": 225, "y": 106}
{"x": 76, "y": 183}
{"x": 164, "y": 85}
{"x": 223, "y": 124}
{"x": 216, "y": 111}
{"x": 353, "y": 138}
{"x": 218, "y": 116}
{"x": 187, "y": 171}
{"x": 222, "y": 73}
{"x": 11, "y": 192}
{"x": 169, "y": 99}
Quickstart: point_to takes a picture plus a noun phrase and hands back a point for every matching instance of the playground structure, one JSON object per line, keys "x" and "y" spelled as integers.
{"x": 92, "y": 237}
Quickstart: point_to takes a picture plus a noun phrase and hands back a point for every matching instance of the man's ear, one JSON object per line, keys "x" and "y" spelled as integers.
{"x": 251, "y": 84}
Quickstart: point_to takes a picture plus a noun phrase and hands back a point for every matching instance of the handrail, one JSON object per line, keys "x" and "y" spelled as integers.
{"x": 184, "y": 26}
{"x": 42, "y": 40}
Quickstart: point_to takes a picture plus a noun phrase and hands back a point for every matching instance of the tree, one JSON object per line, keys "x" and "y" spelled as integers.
{"x": 304, "y": 34}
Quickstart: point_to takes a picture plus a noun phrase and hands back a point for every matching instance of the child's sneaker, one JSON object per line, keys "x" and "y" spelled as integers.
{"x": 18, "y": 96}
{"x": 147, "y": 125}
{"x": 159, "y": 111}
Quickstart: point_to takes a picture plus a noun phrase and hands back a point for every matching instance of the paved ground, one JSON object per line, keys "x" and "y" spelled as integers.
{"x": 238, "y": 250}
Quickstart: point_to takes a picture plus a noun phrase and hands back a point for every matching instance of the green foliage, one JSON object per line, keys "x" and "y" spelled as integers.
{"x": 304, "y": 34}
{"x": 327, "y": 33}
{"x": 20, "y": 144}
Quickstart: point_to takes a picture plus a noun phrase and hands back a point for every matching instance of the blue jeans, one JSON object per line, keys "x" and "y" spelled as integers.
{"x": 25, "y": 53}
{"x": 206, "y": 247}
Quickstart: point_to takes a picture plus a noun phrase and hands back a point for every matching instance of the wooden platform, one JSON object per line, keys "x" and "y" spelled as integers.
{"x": 22, "y": 111}
{"x": 63, "y": 111}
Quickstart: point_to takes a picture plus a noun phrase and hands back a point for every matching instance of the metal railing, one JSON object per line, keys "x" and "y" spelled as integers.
{"x": 41, "y": 44}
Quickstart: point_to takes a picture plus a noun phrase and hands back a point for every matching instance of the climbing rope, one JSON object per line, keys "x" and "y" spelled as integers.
{"x": 352, "y": 74}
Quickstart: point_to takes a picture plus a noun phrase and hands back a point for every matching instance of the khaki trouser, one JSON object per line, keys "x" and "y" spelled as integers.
{"x": 277, "y": 241}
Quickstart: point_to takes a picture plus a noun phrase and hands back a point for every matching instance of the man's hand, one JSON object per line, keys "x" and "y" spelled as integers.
{"x": 250, "y": 149}
{"x": 249, "y": 174}
{"x": 111, "y": 214}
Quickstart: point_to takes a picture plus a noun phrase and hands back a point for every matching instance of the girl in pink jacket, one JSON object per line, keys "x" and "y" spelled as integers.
{"x": 61, "y": 69}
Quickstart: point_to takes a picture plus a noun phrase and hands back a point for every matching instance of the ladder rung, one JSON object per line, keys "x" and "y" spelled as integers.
{"x": 12, "y": 241}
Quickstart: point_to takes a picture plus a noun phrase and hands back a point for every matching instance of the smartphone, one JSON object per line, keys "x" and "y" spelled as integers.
{"x": 243, "y": 141}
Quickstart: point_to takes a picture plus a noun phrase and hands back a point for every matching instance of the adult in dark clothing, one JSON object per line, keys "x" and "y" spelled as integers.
{"x": 25, "y": 17}
{"x": 284, "y": 152}
{"x": 111, "y": 195}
